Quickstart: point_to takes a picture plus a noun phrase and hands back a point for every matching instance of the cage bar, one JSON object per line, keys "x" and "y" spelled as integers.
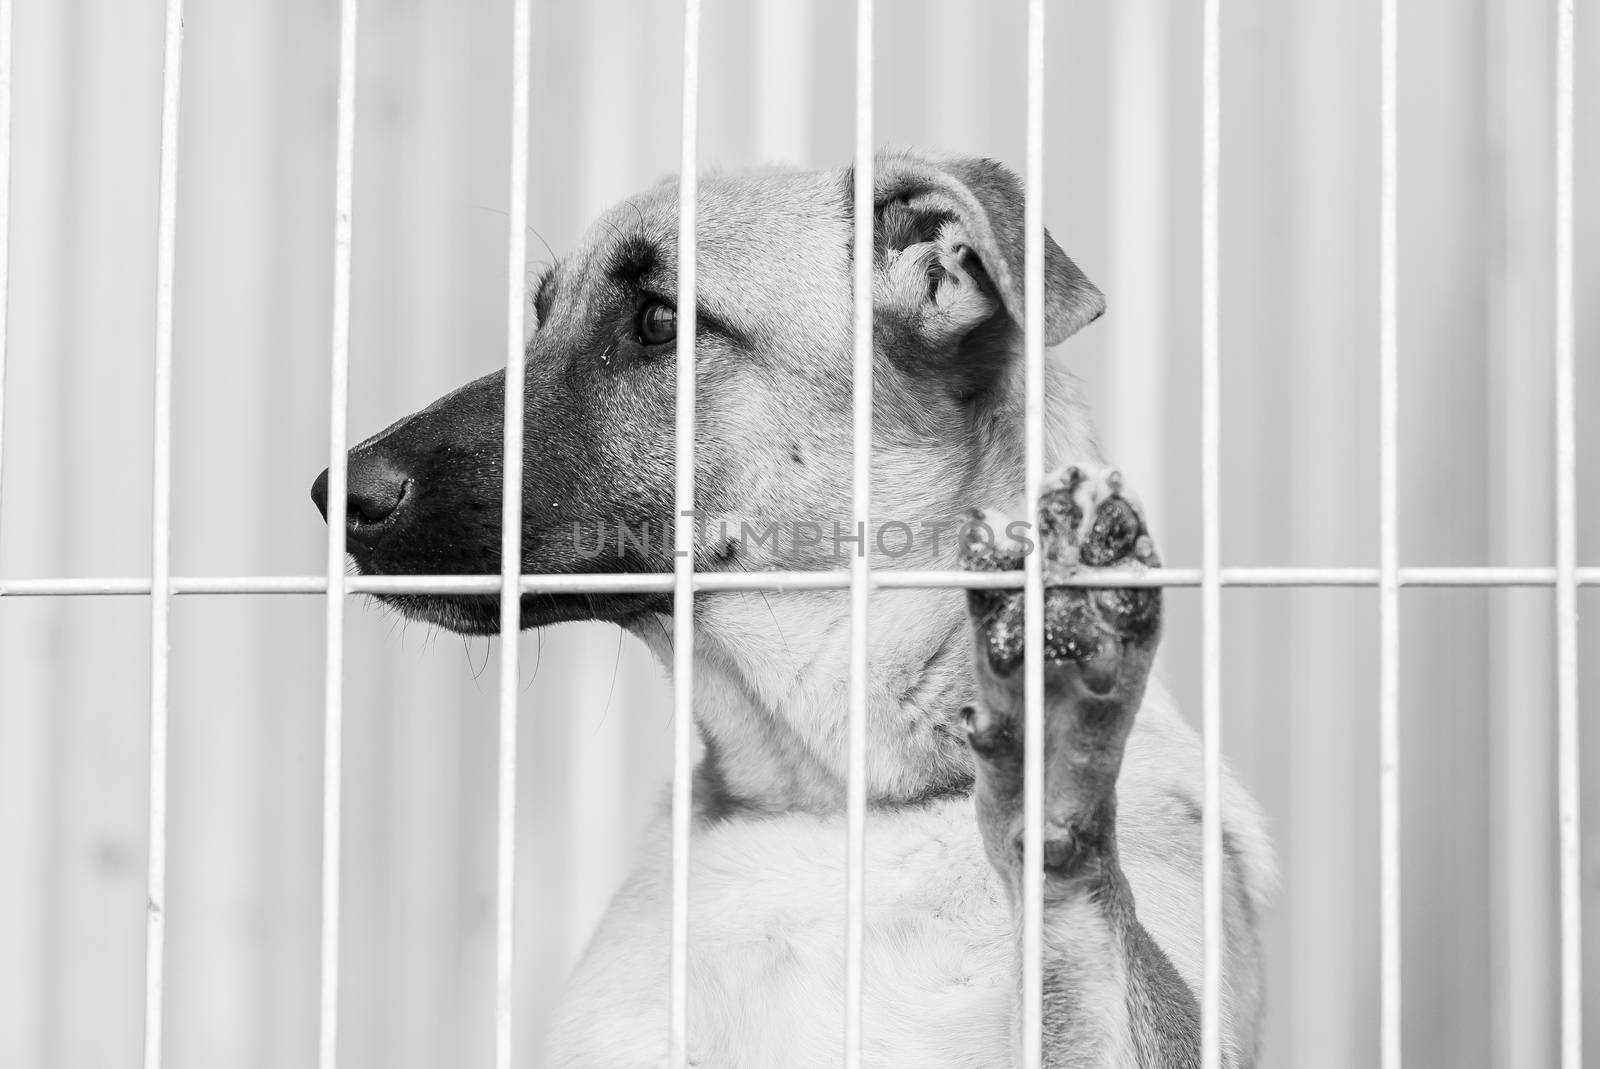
{"x": 1389, "y": 545}
{"x": 511, "y": 543}
{"x": 1211, "y": 535}
{"x": 683, "y": 575}
{"x": 1032, "y": 942}
{"x": 1566, "y": 487}
{"x": 161, "y": 536}
{"x": 338, "y": 434}
{"x": 338, "y": 420}
{"x": 861, "y": 563}
{"x": 778, "y": 581}
{"x": 5, "y": 220}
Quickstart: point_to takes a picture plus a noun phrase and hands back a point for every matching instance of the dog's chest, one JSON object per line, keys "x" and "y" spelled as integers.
{"x": 767, "y": 949}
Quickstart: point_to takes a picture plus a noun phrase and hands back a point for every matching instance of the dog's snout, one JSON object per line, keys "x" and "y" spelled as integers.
{"x": 374, "y": 490}
{"x": 319, "y": 493}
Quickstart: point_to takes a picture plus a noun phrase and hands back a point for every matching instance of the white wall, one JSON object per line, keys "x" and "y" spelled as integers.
{"x": 1299, "y": 235}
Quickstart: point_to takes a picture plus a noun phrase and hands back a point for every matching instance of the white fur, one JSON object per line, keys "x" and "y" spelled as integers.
{"x": 767, "y": 928}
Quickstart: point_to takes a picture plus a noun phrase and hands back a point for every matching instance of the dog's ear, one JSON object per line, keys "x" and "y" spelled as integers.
{"x": 950, "y": 251}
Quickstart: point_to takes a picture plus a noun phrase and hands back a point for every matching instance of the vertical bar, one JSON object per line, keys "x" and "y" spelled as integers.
{"x": 1567, "y": 754}
{"x": 1389, "y": 544}
{"x": 5, "y": 215}
{"x": 683, "y": 533}
{"x": 511, "y": 539}
{"x": 338, "y": 418}
{"x": 860, "y": 565}
{"x": 1032, "y": 947}
{"x": 1211, "y": 536}
{"x": 161, "y": 537}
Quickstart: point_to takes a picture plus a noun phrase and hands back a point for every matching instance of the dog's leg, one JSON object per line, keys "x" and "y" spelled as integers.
{"x": 1112, "y": 998}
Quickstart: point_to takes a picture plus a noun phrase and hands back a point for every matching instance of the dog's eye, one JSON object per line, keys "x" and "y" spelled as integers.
{"x": 657, "y": 323}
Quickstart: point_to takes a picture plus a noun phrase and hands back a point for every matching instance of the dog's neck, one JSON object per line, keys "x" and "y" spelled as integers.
{"x": 772, "y": 671}
{"x": 771, "y": 697}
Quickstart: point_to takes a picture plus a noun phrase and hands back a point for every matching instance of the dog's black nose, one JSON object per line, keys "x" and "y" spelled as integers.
{"x": 374, "y": 489}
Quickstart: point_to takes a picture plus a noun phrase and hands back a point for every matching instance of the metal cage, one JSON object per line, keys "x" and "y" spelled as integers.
{"x": 1564, "y": 576}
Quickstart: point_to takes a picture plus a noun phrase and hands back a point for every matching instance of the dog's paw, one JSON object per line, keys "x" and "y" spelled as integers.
{"x": 1088, "y": 522}
{"x": 1098, "y": 646}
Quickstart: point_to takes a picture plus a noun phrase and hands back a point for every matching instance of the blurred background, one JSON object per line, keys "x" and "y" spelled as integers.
{"x": 1299, "y": 254}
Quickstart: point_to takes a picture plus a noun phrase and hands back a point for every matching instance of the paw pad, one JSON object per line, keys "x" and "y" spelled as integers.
{"x": 1087, "y": 520}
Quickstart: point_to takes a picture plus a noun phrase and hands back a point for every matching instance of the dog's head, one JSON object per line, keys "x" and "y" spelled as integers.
{"x": 773, "y": 427}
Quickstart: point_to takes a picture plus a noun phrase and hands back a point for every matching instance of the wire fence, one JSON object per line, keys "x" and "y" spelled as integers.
{"x": 1565, "y": 577}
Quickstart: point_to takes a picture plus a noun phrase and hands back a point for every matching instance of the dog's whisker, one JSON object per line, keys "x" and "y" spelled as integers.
{"x": 538, "y": 657}
{"x": 525, "y": 226}
{"x": 616, "y": 666}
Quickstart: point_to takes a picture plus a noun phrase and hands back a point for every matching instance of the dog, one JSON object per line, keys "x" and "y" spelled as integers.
{"x": 1123, "y": 901}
